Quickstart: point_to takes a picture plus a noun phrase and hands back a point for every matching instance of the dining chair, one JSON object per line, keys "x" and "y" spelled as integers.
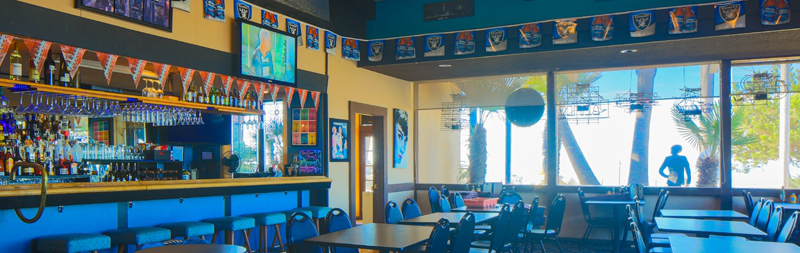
{"x": 555, "y": 217}
{"x": 445, "y": 191}
{"x": 637, "y": 191}
{"x": 593, "y": 222}
{"x": 788, "y": 228}
{"x": 458, "y": 201}
{"x": 463, "y": 236}
{"x": 509, "y": 197}
{"x": 410, "y": 209}
{"x": 337, "y": 220}
{"x": 763, "y": 215}
{"x": 756, "y": 210}
{"x": 638, "y": 216}
{"x": 437, "y": 242}
{"x": 748, "y": 202}
{"x": 393, "y": 213}
{"x": 497, "y": 241}
{"x": 516, "y": 224}
{"x": 444, "y": 203}
{"x": 774, "y": 224}
{"x": 641, "y": 245}
{"x": 433, "y": 198}
{"x": 299, "y": 228}
{"x": 531, "y": 223}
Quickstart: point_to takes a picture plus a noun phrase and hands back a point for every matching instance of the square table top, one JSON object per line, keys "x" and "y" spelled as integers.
{"x": 376, "y": 236}
{"x": 703, "y": 214}
{"x": 612, "y": 202}
{"x": 495, "y": 209}
{"x": 454, "y": 218}
{"x": 684, "y": 244}
{"x": 710, "y": 227}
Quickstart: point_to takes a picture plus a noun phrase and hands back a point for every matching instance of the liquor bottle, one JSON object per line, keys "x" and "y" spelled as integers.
{"x": 235, "y": 99}
{"x": 201, "y": 96}
{"x": 9, "y": 159}
{"x": 63, "y": 73}
{"x": 3, "y": 164}
{"x": 16, "y": 65}
{"x": 27, "y": 170}
{"x": 62, "y": 169}
{"x": 192, "y": 94}
{"x": 783, "y": 195}
{"x": 76, "y": 80}
{"x": 33, "y": 72}
{"x": 690, "y": 22}
{"x": 49, "y": 75}
{"x": 73, "y": 166}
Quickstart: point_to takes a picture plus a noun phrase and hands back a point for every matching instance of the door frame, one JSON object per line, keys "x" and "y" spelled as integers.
{"x": 379, "y": 167}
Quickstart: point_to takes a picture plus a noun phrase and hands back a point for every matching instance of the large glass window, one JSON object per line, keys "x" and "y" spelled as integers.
{"x": 245, "y": 142}
{"x": 273, "y": 133}
{"x": 253, "y": 136}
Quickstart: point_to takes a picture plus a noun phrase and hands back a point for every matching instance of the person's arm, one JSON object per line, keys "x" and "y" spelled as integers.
{"x": 687, "y": 167}
{"x": 663, "y": 165}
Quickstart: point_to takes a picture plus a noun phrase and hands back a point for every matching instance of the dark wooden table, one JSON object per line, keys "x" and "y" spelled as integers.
{"x": 195, "y": 248}
{"x": 684, "y": 244}
{"x": 375, "y": 236}
{"x": 619, "y": 216}
{"x": 454, "y": 218}
{"x": 703, "y": 228}
{"x": 703, "y": 214}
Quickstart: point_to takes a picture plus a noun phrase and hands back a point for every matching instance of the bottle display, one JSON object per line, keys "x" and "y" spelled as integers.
{"x": 15, "y": 64}
{"x": 49, "y": 73}
{"x": 33, "y": 72}
{"x": 64, "y": 78}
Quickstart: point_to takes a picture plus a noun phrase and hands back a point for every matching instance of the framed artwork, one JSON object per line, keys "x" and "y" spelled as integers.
{"x": 400, "y": 138}
{"x": 310, "y": 161}
{"x": 340, "y": 151}
{"x": 101, "y": 130}
{"x": 153, "y": 13}
{"x": 304, "y": 126}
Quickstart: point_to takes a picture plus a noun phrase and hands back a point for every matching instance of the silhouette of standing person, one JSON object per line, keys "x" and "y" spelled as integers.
{"x": 677, "y": 165}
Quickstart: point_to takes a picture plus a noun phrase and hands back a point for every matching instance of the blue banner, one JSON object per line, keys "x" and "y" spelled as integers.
{"x": 683, "y": 20}
{"x": 775, "y": 12}
{"x": 530, "y": 35}
{"x": 434, "y": 45}
{"x": 375, "y": 50}
{"x": 293, "y": 27}
{"x": 312, "y": 38}
{"x": 465, "y": 43}
{"x": 642, "y": 23}
{"x": 350, "y": 50}
{"x": 496, "y": 39}
{"x": 269, "y": 19}
{"x": 330, "y": 42}
{"x": 602, "y": 28}
{"x": 405, "y": 49}
{"x": 243, "y": 10}
{"x": 729, "y": 15}
{"x": 564, "y": 31}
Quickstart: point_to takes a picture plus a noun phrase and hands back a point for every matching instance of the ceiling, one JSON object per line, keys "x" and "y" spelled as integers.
{"x": 734, "y": 47}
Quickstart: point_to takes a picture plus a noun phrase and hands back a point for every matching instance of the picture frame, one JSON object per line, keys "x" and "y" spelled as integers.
{"x": 310, "y": 162}
{"x": 400, "y": 139}
{"x": 339, "y": 144}
{"x": 152, "y": 13}
{"x": 304, "y": 126}
{"x": 101, "y": 130}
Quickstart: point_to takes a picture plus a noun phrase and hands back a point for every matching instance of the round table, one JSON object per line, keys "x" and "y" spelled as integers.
{"x": 195, "y": 248}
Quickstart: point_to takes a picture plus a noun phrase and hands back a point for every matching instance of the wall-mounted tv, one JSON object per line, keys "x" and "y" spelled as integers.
{"x": 267, "y": 54}
{"x": 153, "y": 13}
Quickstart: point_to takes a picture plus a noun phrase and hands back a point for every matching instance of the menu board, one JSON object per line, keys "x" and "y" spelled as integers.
{"x": 304, "y": 126}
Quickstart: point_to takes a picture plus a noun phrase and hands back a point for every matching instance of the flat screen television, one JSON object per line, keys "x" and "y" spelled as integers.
{"x": 266, "y": 54}
{"x": 153, "y": 13}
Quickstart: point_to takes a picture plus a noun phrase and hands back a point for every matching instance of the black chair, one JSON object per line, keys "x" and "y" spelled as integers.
{"x": 410, "y": 209}
{"x": 555, "y": 217}
{"x": 594, "y": 222}
{"x": 763, "y": 215}
{"x": 774, "y": 224}
{"x": 531, "y": 223}
{"x": 517, "y": 225}
{"x": 337, "y": 220}
{"x": 497, "y": 242}
{"x": 437, "y": 242}
{"x": 458, "y": 201}
{"x": 445, "y": 191}
{"x": 788, "y": 228}
{"x": 756, "y": 210}
{"x": 463, "y": 237}
{"x": 748, "y": 201}
{"x": 641, "y": 245}
{"x": 509, "y": 197}
{"x": 433, "y": 198}
{"x": 299, "y": 228}
{"x": 444, "y": 204}
{"x": 393, "y": 213}
{"x": 659, "y": 240}
{"x": 637, "y": 191}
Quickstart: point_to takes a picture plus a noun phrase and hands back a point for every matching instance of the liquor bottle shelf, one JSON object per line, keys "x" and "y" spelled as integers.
{"x": 49, "y": 177}
{"x": 22, "y": 85}
{"x": 100, "y": 161}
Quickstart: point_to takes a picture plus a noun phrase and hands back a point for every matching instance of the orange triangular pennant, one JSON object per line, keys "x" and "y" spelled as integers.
{"x": 161, "y": 70}
{"x": 208, "y": 80}
{"x": 289, "y": 94}
{"x": 38, "y": 49}
{"x": 5, "y": 44}
{"x": 303, "y": 94}
{"x": 243, "y": 85}
{"x": 137, "y": 68}
{"x": 186, "y": 77}
{"x": 315, "y": 96}
{"x": 107, "y": 61}
{"x": 73, "y": 56}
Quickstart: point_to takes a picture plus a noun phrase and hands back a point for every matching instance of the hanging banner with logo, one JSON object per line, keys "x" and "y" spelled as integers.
{"x": 242, "y": 9}
{"x": 602, "y": 28}
{"x": 730, "y": 15}
{"x": 375, "y": 50}
{"x": 5, "y": 44}
{"x": 243, "y": 86}
{"x": 137, "y": 68}
{"x": 293, "y": 27}
{"x": 208, "y": 80}
{"x": 227, "y": 82}
{"x": 350, "y": 50}
{"x": 38, "y": 50}
{"x": 774, "y": 12}
{"x": 465, "y": 43}
{"x": 434, "y": 45}
{"x": 186, "y": 77}
{"x": 274, "y": 89}
{"x": 161, "y": 70}
{"x": 269, "y": 19}
{"x": 107, "y": 61}
{"x": 564, "y": 31}
{"x": 302, "y": 94}
{"x": 683, "y": 20}
{"x": 405, "y": 48}
{"x": 642, "y": 23}
{"x": 530, "y": 35}
{"x": 330, "y": 42}
{"x": 73, "y": 56}
{"x": 312, "y": 38}
{"x": 214, "y": 10}
{"x": 289, "y": 95}
{"x": 315, "y": 96}
{"x": 496, "y": 39}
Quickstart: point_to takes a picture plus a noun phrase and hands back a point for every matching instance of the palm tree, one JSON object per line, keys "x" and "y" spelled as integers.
{"x": 705, "y": 137}
{"x": 641, "y": 132}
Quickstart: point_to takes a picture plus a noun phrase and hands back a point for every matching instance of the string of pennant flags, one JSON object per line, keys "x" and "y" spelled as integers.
{"x": 73, "y": 57}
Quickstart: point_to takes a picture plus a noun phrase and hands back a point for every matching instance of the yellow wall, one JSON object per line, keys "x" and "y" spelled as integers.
{"x": 439, "y": 150}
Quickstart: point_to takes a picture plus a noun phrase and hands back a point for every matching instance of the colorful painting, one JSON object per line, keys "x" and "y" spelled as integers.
{"x": 400, "y": 138}
{"x": 100, "y": 130}
{"x": 310, "y": 161}
{"x": 339, "y": 136}
{"x": 304, "y": 126}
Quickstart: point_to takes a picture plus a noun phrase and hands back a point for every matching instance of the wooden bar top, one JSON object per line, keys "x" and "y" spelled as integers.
{"x": 105, "y": 187}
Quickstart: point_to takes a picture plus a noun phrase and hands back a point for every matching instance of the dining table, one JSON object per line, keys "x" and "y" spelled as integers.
{"x": 195, "y": 248}
{"x": 492, "y": 209}
{"x": 703, "y": 214}
{"x": 618, "y": 204}
{"x": 685, "y": 244}
{"x": 375, "y": 236}
{"x": 704, "y": 228}
{"x": 453, "y": 218}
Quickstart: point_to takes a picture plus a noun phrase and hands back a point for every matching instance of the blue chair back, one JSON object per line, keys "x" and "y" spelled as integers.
{"x": 299, "y": 228}
{"x": 555, "y": 214}
{"x": 509, "y": 197}
{"x": 661, "y": 205}
{"x": 774, "y": 224}
{"x": 445, "y": 191}
{"x": 756, "y": 210}
{"x": 788, "y": 228}
{"x": 444, "y": 203}
{"x": 532, "y": 213}
{"x": 411, "y": 209}
{"x": 659, "y": 199}
{"x": 499, "y": 234}
{"x": 763, "y": 215}
{"x": 458, "y": 201}
{"x": 587, "y": 215}
{"x": 393, "y": 213}
{"x": 437, "y": 242}
{"x": 637, "y": 191}
{"x": 517, "y": 221}
{"x": 748, "y": 201}
{"x": 337, "y": 220}
{"x": 464, "y": 231}
{"x": 641, "y": 246}
{"x": 433, "y": 197}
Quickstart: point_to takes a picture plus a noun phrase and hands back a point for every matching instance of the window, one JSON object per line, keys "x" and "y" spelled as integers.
{"x": 273, "y": 133}
{"x": 249, "y": 131}
{"x": 245, "y": 142}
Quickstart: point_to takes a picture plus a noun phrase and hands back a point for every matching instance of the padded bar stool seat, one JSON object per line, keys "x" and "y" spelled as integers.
{"x": 73, "y": 243}
{"x": 137, "y": 236}
{"x": 231, "y": 225}
{"x": 263, "y": 221}
{"x": 189, "y": 229}
{"x": 288, "y": 213}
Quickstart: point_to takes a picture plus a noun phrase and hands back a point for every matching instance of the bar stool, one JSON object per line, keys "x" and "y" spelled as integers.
{"x": 317, "y": 213}
{"x": 73, "y": 243}
{"x": 189, "y": 229}
{"x": 264, "y": 220}
{"x": 229, "y": 225}
{"x": 137, "y": 236}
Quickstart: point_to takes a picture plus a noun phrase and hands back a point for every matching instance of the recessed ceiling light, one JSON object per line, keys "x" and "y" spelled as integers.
{"x": 445, "y": 65}
{"x": 628, "y": 51}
